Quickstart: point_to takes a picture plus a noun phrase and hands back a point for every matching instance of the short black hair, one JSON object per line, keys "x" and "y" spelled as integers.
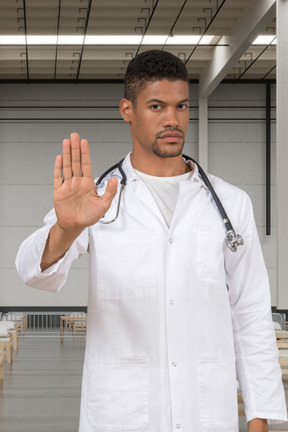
{"x": 150, "y": 66}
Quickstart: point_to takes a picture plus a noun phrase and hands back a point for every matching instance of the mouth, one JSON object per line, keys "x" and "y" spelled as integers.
{"x": 171, "y": 136}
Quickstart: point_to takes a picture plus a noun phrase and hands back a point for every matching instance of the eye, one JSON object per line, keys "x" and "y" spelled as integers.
{"x": 183, "y": 106}
{"x": 156, "y": 107}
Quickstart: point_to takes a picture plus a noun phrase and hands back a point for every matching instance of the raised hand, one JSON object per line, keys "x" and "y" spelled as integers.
{"x": 76, "y": 202}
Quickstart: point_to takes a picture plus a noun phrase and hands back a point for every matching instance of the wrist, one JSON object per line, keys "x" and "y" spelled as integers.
{"x": 58, "y": 242}
{"x": 65, "y": 234}
{"x": 258, "y": 425}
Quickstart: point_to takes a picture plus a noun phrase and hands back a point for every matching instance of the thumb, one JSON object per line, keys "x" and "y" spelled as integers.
{"x": 110, "y": 192}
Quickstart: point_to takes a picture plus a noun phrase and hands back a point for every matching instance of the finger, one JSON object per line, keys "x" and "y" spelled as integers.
{"x": 58, "y": 171}
{"x": 110, "y": 192}
{"x": 85, "y": 159}
{"x": 75, "y": 154}
{"x": 67, "y": 169}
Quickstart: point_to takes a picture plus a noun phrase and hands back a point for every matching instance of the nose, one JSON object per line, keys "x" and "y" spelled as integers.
{"x": 170, "y": 117}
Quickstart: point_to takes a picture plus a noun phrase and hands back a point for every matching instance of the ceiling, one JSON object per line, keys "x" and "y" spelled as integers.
{"x": 220, "y": 18}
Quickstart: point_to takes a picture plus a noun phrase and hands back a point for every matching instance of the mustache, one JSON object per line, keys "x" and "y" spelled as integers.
{"x": 169, "y": 129}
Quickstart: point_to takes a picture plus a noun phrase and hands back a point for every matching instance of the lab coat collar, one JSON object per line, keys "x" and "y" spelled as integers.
{"x": 132, "y": 175}
{"x": 196, "y": 177}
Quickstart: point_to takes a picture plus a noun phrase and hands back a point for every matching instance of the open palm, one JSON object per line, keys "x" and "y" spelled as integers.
{"x": 76, "y": 202}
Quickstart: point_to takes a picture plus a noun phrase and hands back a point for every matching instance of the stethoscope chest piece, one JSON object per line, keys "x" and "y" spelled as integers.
{"x": 233, "y": 240}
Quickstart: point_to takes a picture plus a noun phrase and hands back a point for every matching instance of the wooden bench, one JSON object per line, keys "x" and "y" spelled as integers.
{"x": 282, "y": 345}
{"x": 14, "y": 336}
{"x": 1, "y": 365}
{"x": 241, "y": 411}
{"x": 19, "y": 319}
{"x": 8, "y": 328}
{"x": 6, "y": 345}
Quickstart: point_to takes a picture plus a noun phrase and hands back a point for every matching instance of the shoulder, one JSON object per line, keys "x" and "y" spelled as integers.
{"x": 234, "y": 199}
{"x": 227, "y": 190}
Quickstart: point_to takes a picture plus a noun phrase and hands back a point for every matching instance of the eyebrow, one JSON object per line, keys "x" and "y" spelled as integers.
{"x": 162, "y": 102}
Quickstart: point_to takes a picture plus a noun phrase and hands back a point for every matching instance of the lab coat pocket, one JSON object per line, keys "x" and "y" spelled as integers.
{"x": 217, "y": 387}
{"x": 209, "y": 255}
{"x": 126, "y": 265}
{"x": 118, "y": 395}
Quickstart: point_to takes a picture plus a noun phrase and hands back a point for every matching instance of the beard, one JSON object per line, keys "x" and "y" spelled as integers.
{"x": 171, "y": 149}
{"x": 166, "y": 153}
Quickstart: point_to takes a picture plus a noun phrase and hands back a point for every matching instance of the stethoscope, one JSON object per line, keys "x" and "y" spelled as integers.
{"x": 232, "y": 239}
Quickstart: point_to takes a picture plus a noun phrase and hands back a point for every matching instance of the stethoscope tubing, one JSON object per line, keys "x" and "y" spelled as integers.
{"x": 220, "y": 207}
{"x": 233, "y": 240}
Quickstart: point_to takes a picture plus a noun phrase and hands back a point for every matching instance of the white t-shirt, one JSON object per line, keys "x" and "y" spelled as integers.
{"x": 165, "y": 191}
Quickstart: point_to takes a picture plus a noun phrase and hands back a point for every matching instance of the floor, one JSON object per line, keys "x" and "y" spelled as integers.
{"x": 41, "y": 389}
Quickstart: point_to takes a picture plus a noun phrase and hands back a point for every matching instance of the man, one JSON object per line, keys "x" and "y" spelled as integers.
{"x": 174, "y": 316}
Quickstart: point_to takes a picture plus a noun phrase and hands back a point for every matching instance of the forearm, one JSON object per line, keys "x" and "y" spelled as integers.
{"x": 58, "y": 242}
{"x": 258, "y": 425}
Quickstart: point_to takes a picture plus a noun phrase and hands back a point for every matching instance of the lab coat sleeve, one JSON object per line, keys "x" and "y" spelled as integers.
{"x": 30, "y": 253}
{"x": 258, "y": 371}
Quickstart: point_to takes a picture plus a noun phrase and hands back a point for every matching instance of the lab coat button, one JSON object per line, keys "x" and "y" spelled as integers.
{"x": 170, "y": 240}
{"x": 174, "y": 364}
{"x": 171, "y": 302}
{"x": 178, "y": 426}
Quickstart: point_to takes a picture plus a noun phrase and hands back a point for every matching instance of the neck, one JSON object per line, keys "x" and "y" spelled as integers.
{"x": 159, "y": 166}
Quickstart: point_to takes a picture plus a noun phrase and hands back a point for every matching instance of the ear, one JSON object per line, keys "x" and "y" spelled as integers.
{"x": 126, "y": 110}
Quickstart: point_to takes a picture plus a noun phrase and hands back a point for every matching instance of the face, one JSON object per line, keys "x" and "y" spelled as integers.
{"x": 159, "y": 119}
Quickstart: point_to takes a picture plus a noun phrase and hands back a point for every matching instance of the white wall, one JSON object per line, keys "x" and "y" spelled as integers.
{"x": 237, "y": 153}
{"x": 31, "y": 136}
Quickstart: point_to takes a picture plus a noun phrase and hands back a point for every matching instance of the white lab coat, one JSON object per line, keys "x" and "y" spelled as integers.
{"x": 174, "y": 317}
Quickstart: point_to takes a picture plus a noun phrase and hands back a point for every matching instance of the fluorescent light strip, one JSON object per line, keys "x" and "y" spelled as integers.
{"x": 183, "y": 40}
{"x": 41, "y": 40}
{"x": 154, "y": 40}
{"x": 12, "y": 40}
{"x": 103, "y": 40}
{"x": 112, "y": 40}
{"x": 70, "y": 40}
{"x": 264, "y": 40}
{"x": 119, "y": 40}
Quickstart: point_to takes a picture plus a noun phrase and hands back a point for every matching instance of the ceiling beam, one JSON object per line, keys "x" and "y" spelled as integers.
{"x": 148, "y": 24}
{"x": 58, "y": 29}
{"x": 83, "y": 46}
{"x": 259, "y": 14}
{"x": 26, "y": 47}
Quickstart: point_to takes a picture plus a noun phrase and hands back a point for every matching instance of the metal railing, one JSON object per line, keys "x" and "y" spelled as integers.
{"x": 41, "y": 322}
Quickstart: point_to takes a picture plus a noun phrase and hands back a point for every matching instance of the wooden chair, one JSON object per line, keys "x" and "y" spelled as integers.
{"x": 76, "y": 322}
{"x": 79, "y": 324}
